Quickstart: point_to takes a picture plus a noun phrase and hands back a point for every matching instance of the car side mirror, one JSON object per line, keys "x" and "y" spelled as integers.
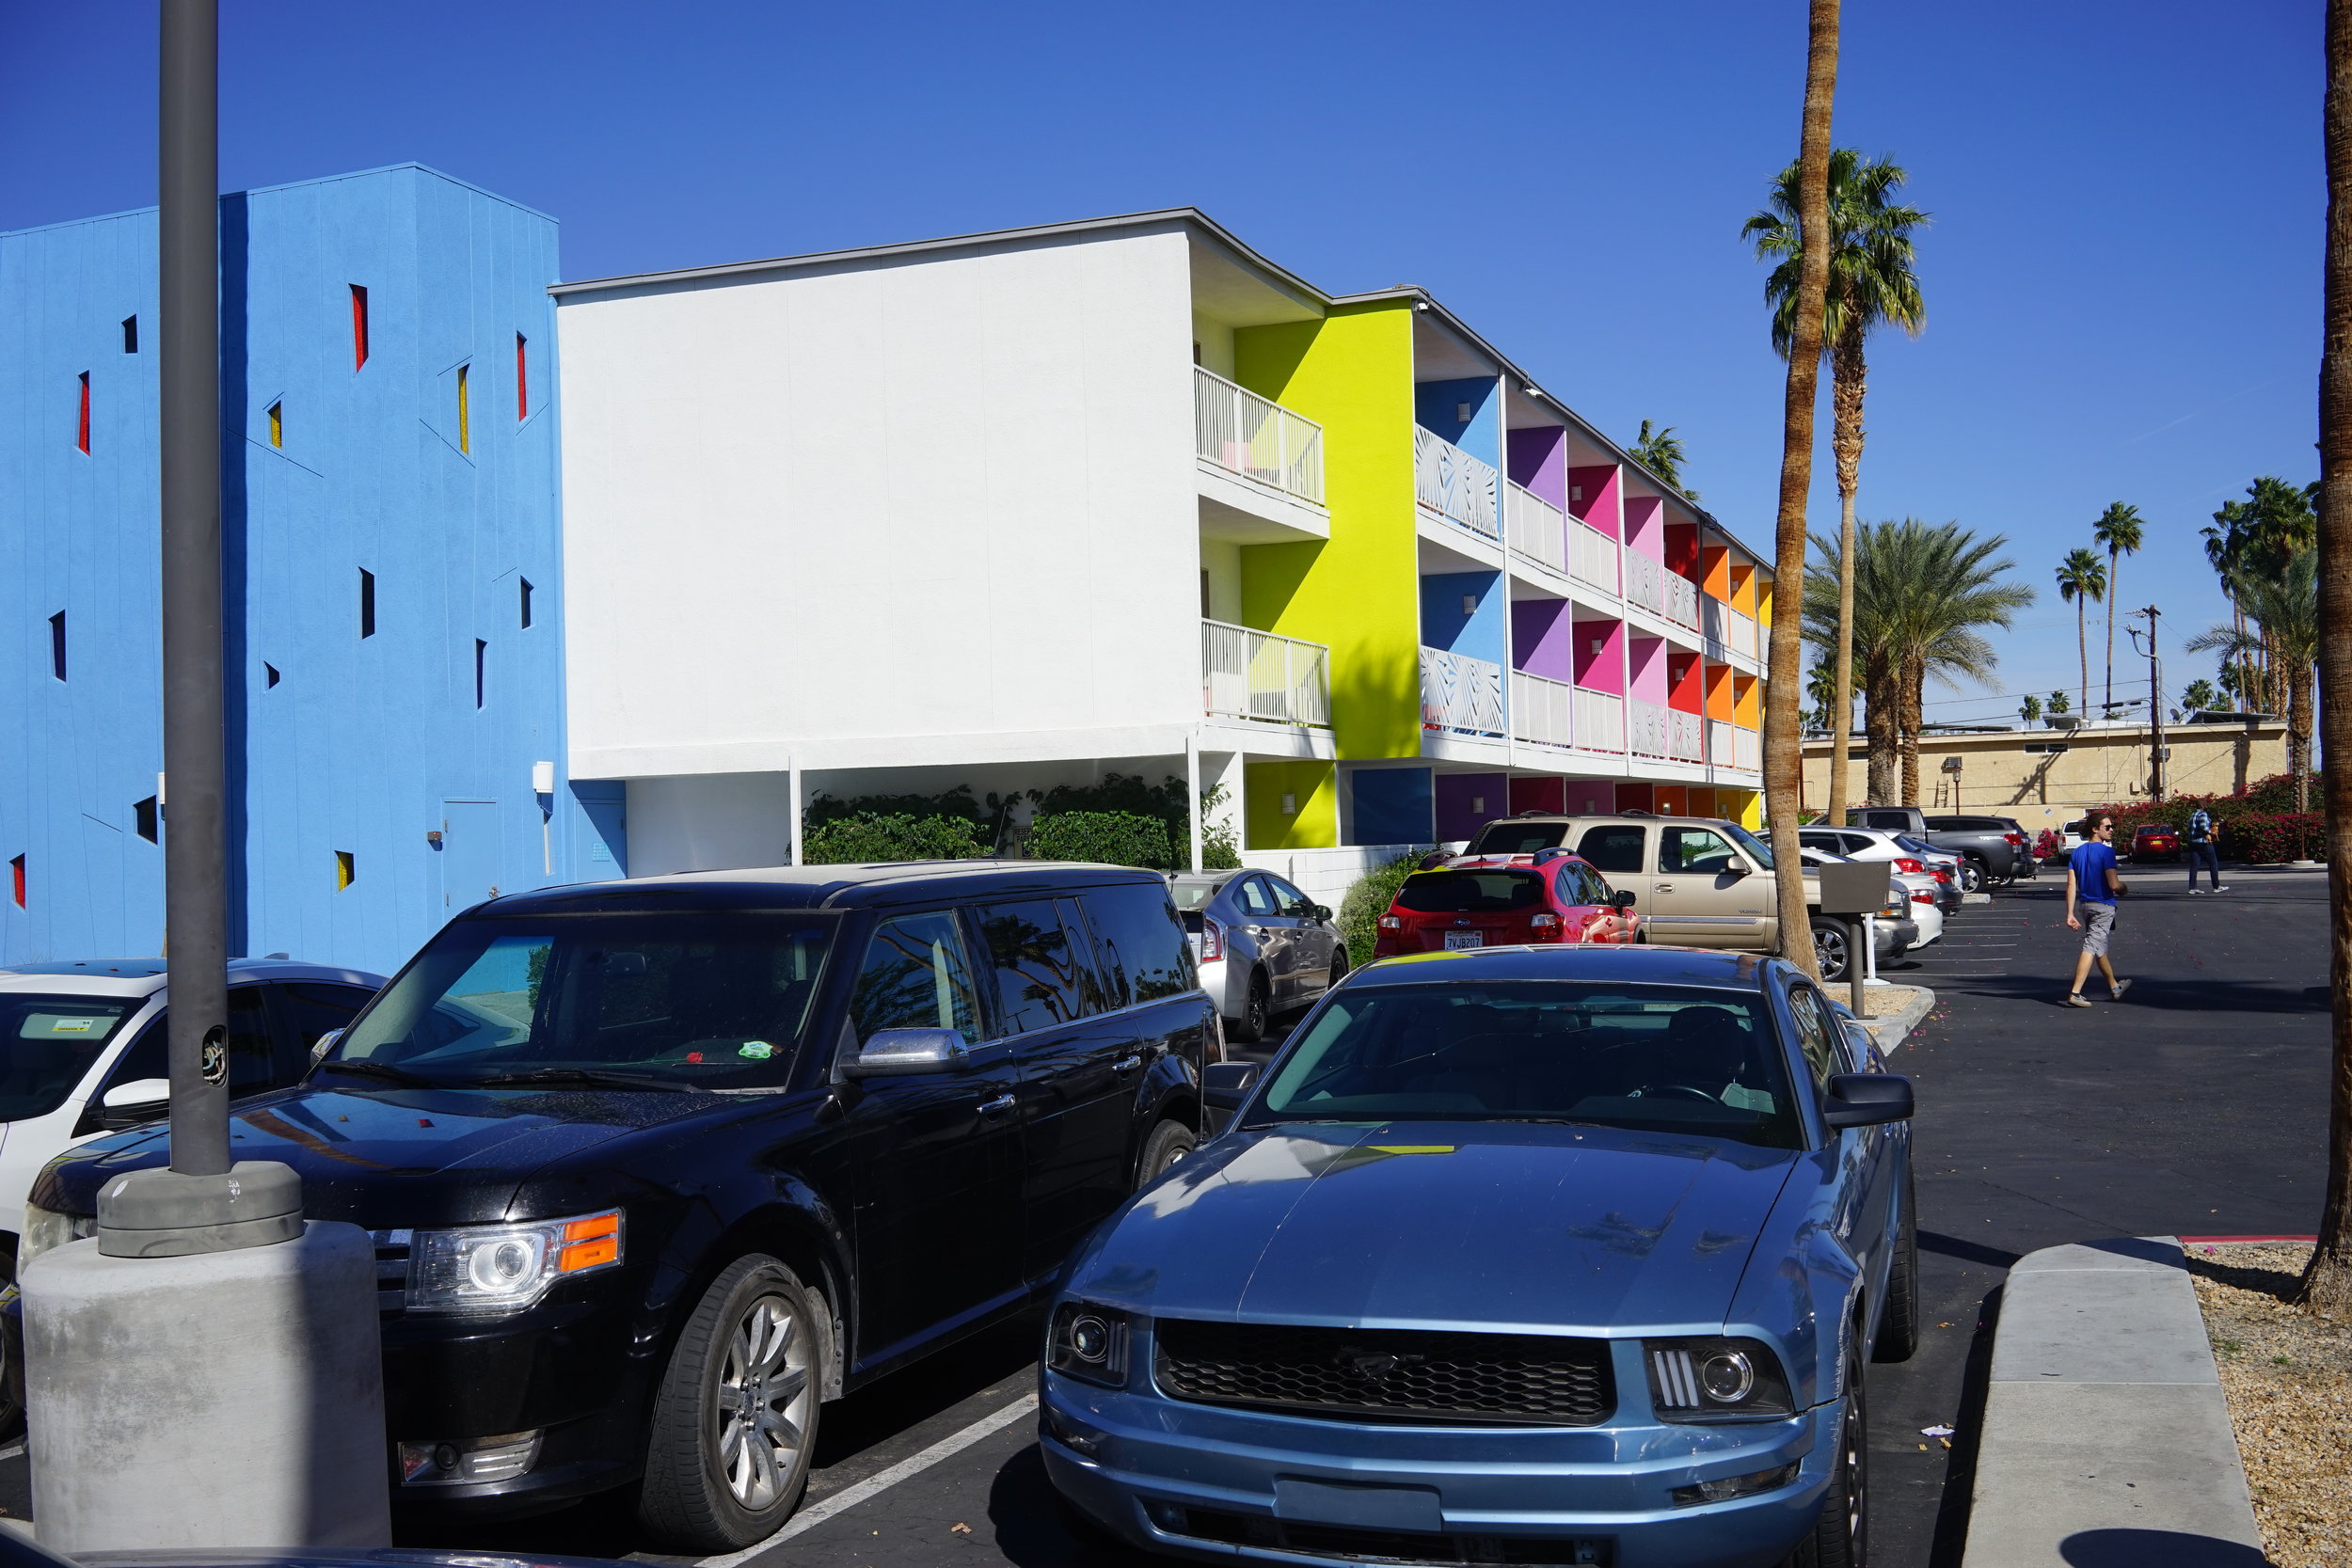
{"x": 1867, "y": 1100}
{"x": 904, "y": 1053}
{"x": 128, "y": 1104}
{"x": 1736, "y": 869}
{"x": 1226, "y": 1085}
{"x": 324, "y": 1043}
{"x": 1321, "y": 911}
{"x": 1624, "y": 899}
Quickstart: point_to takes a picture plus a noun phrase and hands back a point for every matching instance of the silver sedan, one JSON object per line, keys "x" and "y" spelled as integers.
{"x": 1263, "y": 946}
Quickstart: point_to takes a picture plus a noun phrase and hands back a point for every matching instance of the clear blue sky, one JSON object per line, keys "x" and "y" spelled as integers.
{"x": 2123, "y": 278}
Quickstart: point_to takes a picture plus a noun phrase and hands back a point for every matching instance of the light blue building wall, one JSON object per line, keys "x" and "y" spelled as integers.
{"x": 388, "y": 702}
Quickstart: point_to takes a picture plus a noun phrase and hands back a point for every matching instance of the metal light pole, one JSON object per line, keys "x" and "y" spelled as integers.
{"x": 203, "y": 1279}
{"x": 2155, "y": 706}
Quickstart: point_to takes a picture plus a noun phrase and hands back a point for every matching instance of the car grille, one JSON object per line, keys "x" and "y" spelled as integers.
{"x": 1387, "y": 1375}
{"x": 1342, "y": 1544}
{"x": 391, "y": 1271}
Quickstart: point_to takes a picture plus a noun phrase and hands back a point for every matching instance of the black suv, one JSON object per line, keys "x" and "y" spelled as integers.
{"x": 655, "y": 1167}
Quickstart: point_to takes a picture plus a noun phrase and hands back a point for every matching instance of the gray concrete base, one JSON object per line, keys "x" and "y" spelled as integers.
{"x": 1890, "y": 1029}
{"x": 2105, "y": 1435}
{"x": 217, "y": 1400}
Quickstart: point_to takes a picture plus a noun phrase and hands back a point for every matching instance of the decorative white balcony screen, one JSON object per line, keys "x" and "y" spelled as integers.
{"x": 1682, "y": 600}
{"x": 1543, "y": 710}
{"x": 1683, "y": 736}
{"x": 1719, "y": 742}
{"x": 1538, "y": 530}
{"x": 1747, "y": 750}
{"x": 1741, "y": 636}
{"x": 1645, "y": 581}
{"x": 1599, "y": 720}
{"x": 1592, "y": 556}
{"x": 1459, "y": 692}
{"x": 1244, "y": 433}
{"x": 1256, "y": 674}
{"x": 1645, "y": 727}
{"x": 1452, "y": 484}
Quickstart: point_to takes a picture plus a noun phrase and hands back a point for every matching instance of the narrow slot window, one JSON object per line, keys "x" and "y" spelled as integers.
{"x": 481, "y": 664}
{"x": 522, "y": 378}
{"x": 367, "y": 602}
{"x": 56, "y": 646}
{"x": 130, "y": 334}
{"x": 270, "y": 675}
{"x": 144, "y": 814}
{"x": 358, "y": 326}
{"x": 81, "y": 428}
{"x": 464, "y": 413}
{"x": 16, "y": 881}
{"x": 526, "y": 602}
{"x": 277, "y": 424}
{"x": 346, "y": 869}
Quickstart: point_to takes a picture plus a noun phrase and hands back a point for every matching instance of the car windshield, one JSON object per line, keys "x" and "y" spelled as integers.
{"x": 1917, "y": 847}
{"x": 1519, "y": 838}
{"x": 1757, "y": 847}
{"x": 1191, "y": 895}
{"x": 708, "y": 999}
{"x": 1649, "y": 1057}
{"x": 1470, "y": 892}
{"x": 49, "y": 1043}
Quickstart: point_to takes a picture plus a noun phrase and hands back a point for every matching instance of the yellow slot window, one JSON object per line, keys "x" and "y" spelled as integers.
{"x": 277, "y": 424}
{"x": 464, "y": 413}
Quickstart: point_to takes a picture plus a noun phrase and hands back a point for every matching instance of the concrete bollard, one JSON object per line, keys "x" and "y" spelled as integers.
{"x": 217, "y": 1399}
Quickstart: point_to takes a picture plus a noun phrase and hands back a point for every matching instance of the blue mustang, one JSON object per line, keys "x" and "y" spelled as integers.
{"x": 1514, "y": 1254}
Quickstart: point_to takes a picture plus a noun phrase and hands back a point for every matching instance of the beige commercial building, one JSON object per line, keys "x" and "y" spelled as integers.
{"x": 2048, "y": 778}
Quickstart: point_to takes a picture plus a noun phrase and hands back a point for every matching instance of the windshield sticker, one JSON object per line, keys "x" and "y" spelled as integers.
{"x": 756, "y": 1049}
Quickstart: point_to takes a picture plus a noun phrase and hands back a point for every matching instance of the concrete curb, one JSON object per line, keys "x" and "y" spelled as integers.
{"x": 2105, "y": 1434}
{"x": 1890, "y": 1030}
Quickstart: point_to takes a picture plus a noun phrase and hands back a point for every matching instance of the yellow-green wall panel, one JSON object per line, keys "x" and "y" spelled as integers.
{"x": 1313, "y": 787}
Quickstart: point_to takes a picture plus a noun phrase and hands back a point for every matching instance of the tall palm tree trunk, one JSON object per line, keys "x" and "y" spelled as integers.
{"x": 2328, "y": 1284}
{"x": 2082, "y": 645}
{"x": 2115, "y": 560}
{"x": 1850, "y": 375}
{"x": 1784, "y": 755}
{"x": 1879, "y": 731}
{"x": 1914, "y": 680}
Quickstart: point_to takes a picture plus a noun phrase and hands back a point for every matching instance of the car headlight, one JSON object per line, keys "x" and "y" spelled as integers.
{"x": 45, "y": 1228}
{"x": 1715, "y": 1380}
{"x": 1089, "y": 1341}
{"x": 499, "y": 1268}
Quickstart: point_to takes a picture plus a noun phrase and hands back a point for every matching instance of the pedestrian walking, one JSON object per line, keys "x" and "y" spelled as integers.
{"x": 2202, "y": 851}
{"x": 2092, "y": 885}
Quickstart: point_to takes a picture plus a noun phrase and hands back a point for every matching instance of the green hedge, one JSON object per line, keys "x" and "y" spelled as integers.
{"x": 1116, "y": 837}
{"x": 2273, "y": 838}
{"x": 891, "y": 836}
{"x": 2259, "y": 828}
{"x": 1367, "y": 901}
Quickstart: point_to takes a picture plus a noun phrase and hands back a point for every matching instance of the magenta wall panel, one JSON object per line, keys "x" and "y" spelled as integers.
{"x": 1543, "y": 639}
{"x": 1588, "y": 796}
{"x": 1646, "y": 659}
{"x": 1645, "y": 526}
{"x": 1467, "y": 802}
{"x": 1593, "y": 496}
{"x": 1539, "y": 792}
{"x": 1539, "y": 464}
{"x": 1603, "y": 671}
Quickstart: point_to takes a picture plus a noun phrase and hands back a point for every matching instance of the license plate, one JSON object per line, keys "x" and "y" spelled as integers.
{"x": 1465, "y": 939}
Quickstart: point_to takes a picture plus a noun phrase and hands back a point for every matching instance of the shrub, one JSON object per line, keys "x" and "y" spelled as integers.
{"x": 891, "y": 836}
{"x": 1367, "y": 901}
{"x": 2273, "y": 838}
{"x": 1116, "y": 837}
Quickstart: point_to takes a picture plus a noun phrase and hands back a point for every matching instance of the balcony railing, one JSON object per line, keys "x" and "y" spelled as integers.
{"x": 1645, "y": 581}
{"x": 1538, "y": 530}
{"x": 1543, "y": 710}
{"x": 1747, "y": 750}
{"x": 1244, "y": 433}
{"x": 1599, "y": 720}
{"x": 1592, "y": 556}
{"x": 1646, "y": 725}
{"x": 1459, "y": 692}
{"x": 1683, "y": 736}
{"x": 1682, "y": 600}
{"x": 1719, "y": 742}
{"x": 1452, "y": 484}
{"x": 1256, "y": 674}
{"x": 1721, "y": 624}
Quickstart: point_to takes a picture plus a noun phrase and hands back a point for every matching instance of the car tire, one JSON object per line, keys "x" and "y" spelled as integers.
{"x": 1170, "y": 1142}
{"x": 1339, "y": 967}
{"x": 1899, "y": 1320}
{"x": 1841, "y": 1534}
{"x": 1833, "y": 944}
{"x": 734, "y": 1421}
{"x": 1972, "y": 875}
{"x": 1257, "y": 1013}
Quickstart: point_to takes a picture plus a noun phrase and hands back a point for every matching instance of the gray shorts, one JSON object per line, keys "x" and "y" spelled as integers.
{"x": 2098, "y": 922}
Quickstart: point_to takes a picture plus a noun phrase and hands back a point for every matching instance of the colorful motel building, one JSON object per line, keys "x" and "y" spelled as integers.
{"x": 1007, "y": 511}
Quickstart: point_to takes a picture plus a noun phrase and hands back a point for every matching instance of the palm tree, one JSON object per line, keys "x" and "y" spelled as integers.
{"x": 1871, "y": 285}
{"x": 2080, "y": 579}
{"x": 1820, "y": 690}
{"x": 1784, "y": 750}
{"x": 2257, "y": 535}
{"x": 2284, "y": 609}
{"x": 1661, "y": 451}
{"x": 2199, "y": 695}
{"x": 2030, "y": 709}
{"x": 1921, "y": 593}
{"x": 2118, "y": 529}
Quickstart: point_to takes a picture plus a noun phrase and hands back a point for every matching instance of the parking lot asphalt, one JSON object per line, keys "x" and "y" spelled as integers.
{"x": 2196, "y": 1106}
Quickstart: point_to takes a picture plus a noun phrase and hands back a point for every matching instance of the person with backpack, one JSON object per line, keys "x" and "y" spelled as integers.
{"x": 2202, "y": 850}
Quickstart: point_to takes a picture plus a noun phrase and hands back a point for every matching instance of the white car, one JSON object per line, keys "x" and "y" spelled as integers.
{"x": 84, "y": 1052}
{"x": 1910, "y": 859}
{"x": 1918, "y": 887}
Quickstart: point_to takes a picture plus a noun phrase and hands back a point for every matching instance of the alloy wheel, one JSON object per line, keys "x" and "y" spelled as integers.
{"x": 763, "y": 1397}
{"x": 1971, "y": 877}
{"x": 1830, "y": 946}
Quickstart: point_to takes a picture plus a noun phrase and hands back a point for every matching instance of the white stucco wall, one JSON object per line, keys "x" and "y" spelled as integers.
{"x": 938, "y": 510}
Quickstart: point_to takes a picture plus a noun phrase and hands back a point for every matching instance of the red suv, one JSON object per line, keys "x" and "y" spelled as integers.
{"x": 1500, "y": 901}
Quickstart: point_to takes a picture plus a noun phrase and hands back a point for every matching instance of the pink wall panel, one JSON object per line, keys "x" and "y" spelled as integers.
{"x": 1645, "y": 525}
{"x": 1603, "y": 671}
{"x": 1593, "y": 496}
{"x": 1647, "y": 658}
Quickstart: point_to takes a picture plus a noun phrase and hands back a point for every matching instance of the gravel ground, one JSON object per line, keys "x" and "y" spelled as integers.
{"x": 2288, "y": 1376}
{"x": 1885, "y": 1001}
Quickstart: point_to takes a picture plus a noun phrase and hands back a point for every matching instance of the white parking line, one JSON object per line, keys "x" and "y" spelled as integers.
{"x": 842, "y": 1502}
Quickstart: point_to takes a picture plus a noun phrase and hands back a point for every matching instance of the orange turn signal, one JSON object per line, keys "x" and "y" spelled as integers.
{"x": 591, "y": 1243}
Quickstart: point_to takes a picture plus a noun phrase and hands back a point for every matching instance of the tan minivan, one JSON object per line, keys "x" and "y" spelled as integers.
{"x": 1697, "y": 881}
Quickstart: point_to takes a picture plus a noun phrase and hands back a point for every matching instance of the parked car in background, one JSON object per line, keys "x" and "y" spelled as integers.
{"x": 655, "y": 1167}
{"x": 1864, "y": 844}
{"x": 1454, "y": 1286}
{"x": 1497, "y": 900}
{"x": 1920, "y": 895}
{"x": 2155, "y": 841}
{"x": 1263, "y": 948}
{"x": 1990, "y": 848}
{"x": 1942, "y": 864}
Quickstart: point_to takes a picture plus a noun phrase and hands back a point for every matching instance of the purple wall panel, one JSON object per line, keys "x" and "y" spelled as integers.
{"x": 1542, "y": 639}
{"x": 1603, "y": 671}
{"x": 1539, "y": 464}
{"x": 1467, "y": 802}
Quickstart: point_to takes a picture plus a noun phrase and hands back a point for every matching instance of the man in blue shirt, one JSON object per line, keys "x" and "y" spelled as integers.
{"x": 2202, "y": 851}
{"x": 2091, "y": 886}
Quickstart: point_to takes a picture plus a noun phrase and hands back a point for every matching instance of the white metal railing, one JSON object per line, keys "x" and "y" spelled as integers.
{"x": 1645, "y": 581}
{"x": 1256, "y": 674}
{"x": 1747, "y": 750}
{"x": 1452, "y": 484}
{"x": 1592, "y": 556}
{"x": 1543, "y": 710}
{"x": 1459, "y": 692}
{"x": 1719, "y": 742}
{"x": 1740, "y": 636}
{"x": 1244, "y": 433}
{"x": 1682, "y": 600}
{"x": 1684, "y": 736}
{"x": 1538, "y": 530}
{"x": 1599, "y": 720}
{"x": 1645, "y": 728}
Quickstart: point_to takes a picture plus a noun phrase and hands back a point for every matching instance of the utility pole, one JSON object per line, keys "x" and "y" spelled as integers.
{"x": 2155, "y": 706}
